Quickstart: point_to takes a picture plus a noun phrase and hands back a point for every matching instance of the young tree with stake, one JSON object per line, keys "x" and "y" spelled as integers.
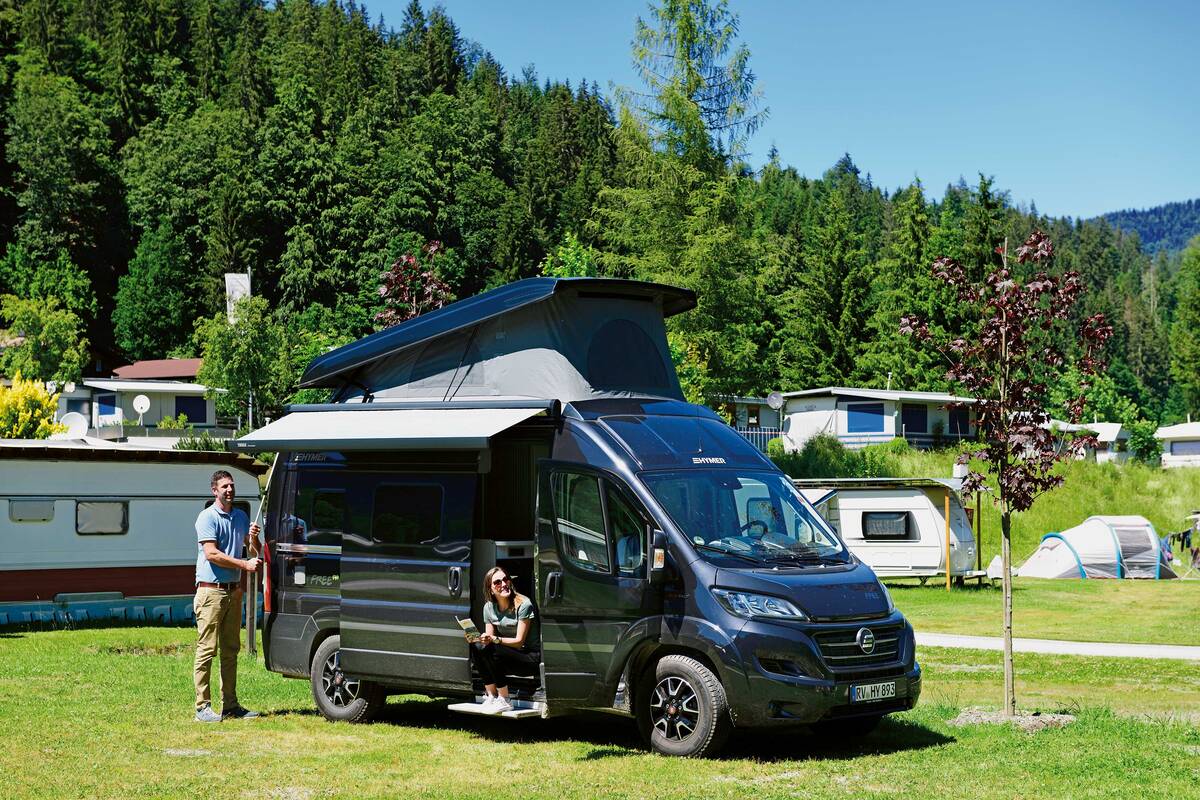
{"x": 1024, "y": 336}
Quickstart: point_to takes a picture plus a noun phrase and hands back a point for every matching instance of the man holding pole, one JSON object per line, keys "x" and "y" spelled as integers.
{"x": 222, "y": 533}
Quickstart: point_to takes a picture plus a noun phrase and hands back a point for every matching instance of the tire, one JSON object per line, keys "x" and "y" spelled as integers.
{"x": 853, "y": 728}
{"x": 338, "y": 698}
{"x": 682, "y": 710}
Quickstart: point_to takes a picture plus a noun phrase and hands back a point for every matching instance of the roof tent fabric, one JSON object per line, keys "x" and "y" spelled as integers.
{"x": 566, "y": 339}
{"x": 385, "y": 429}
{"x": 1099, "y": 547}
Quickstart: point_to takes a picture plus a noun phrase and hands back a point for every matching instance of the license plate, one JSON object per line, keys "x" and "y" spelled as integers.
{"x": 872, "y": 691}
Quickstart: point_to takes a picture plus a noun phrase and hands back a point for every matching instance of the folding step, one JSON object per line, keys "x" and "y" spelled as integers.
{"x": 521, "y": 710}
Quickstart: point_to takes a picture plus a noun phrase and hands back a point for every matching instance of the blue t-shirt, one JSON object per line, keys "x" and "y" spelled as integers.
{"x": 228, "y": 531}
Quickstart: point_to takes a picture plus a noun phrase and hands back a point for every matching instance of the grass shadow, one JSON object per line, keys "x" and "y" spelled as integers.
{"x": 617, "y": 737}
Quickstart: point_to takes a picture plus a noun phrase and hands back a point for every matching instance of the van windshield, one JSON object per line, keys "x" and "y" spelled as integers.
{"x": 747, "y": 514}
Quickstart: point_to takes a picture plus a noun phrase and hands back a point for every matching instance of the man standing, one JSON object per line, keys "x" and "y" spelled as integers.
{"x": 222, "y": 532}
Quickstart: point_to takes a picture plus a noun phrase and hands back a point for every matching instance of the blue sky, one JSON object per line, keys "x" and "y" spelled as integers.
{"x": 1081, "y": 107}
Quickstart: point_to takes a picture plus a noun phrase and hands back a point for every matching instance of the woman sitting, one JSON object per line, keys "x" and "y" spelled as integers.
{"x": 510, "y": 645}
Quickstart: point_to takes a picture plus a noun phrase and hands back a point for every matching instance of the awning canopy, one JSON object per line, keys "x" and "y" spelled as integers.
{"x": 384, "y": 429}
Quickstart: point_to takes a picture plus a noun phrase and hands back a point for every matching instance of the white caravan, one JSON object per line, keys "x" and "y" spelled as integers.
{"x": 88, "y": 517}
{"x": 898, "y": 526}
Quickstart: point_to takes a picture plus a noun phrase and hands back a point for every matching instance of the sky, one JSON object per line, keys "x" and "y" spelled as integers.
{"x": 1079, "y": 107}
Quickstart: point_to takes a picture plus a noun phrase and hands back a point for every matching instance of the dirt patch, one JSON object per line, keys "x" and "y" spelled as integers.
{"x": 169, "y": 650}
{"x": 1030, "y": 722}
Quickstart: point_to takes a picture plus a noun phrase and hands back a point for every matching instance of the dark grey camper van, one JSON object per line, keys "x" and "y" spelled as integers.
{"x": 678, "y": 575}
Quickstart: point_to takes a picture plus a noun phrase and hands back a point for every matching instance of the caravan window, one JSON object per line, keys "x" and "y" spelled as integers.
{"x": 102, "y": 517}
{"x": 31, "y": 510}
{"x": 864, "y": 417}
{"x": 579, "y": 519}
{"x": 887, "y": 525}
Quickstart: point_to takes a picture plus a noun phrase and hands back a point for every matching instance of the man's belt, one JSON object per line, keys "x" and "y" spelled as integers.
{"x": 229, "y": 587}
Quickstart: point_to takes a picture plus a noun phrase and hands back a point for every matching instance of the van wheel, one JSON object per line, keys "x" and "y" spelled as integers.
{"x": 339, "y": 698}
{"x": 684, "y": 712}
{"x": 847, "y": 728}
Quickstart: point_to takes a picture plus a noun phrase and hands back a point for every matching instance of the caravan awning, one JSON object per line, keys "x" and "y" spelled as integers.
{"x": 385, "y": 429}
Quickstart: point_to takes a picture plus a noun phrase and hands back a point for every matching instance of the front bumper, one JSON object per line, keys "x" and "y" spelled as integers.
{"x": 790, "y": 680}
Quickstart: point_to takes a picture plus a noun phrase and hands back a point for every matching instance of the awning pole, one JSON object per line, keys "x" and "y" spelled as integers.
{"x": 978, "y": 534}
{"x": 947, "y": 540}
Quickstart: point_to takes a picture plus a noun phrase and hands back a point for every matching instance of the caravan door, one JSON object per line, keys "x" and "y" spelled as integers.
{"x": 592, "y": 540}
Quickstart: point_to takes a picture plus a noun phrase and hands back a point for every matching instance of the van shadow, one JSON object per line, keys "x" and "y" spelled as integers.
{"x": 617, "y": 737}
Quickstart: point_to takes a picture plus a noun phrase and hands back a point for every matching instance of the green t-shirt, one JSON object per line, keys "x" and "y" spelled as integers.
{"x": 506, "y": 622}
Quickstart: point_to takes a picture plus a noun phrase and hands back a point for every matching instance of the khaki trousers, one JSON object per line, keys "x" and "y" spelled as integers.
{"x": 218, "y": 622}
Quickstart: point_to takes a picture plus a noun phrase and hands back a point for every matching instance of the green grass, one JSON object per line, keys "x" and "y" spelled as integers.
{"x": 106, "y": 713}
{"x": 1151, "y": 612}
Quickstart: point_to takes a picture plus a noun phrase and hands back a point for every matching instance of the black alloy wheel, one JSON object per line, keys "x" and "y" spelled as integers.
{"x": 340, "y": 690}
{"x": 681, "y": 708}
{"x": 339, "y": 697}
{"x": 674, "y": 708}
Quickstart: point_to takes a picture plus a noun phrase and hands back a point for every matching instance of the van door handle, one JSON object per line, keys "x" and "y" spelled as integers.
{"x": 454, "y": 581}
{"x": 553, "y": 586}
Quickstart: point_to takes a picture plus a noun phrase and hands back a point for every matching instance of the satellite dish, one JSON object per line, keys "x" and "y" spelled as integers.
{"x": 77, "y": 425}
{"x": 141, "y": 404}
{"x": 775, "y": 400}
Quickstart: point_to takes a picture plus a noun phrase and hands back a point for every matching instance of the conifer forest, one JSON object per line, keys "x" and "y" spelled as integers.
{"x": 362, "y": 171}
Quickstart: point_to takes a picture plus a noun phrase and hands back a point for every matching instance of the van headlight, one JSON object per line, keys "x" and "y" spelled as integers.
{"x": 757, "y": 606}
{"x": 886, "y": 596}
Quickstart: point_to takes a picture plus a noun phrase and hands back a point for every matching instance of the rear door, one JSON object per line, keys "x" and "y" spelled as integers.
{"x": 406, "y": 576}
{"x": 592, "y": 586}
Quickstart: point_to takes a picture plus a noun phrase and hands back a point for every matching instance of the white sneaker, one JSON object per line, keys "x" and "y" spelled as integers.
{"x": 488, "y": 706}
{"x": 501, "y": 705}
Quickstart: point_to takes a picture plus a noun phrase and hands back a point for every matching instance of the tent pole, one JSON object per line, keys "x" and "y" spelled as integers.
{"x": 947, "y": 540}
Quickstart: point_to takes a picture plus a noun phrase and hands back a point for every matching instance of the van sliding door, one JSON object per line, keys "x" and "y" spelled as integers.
{"x": 592, "y": 586}
{"x": 405, "y": 578}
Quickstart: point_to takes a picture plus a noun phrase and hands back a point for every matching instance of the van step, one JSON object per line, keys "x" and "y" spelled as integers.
{"x": 477, "y": 709}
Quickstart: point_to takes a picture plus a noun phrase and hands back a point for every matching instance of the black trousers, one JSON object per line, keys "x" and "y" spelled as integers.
{"x": 495, "y": 663}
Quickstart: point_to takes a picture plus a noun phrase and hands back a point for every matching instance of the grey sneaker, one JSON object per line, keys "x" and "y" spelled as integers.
{"x": 205, "y": 714}
{"x": 237, "y": 712}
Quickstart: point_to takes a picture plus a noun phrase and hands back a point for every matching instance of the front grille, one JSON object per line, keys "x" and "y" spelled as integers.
{"x": 841, "y": 650}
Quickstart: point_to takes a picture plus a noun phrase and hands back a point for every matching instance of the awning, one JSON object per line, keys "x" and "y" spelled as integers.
{"x": 384, "y": 429}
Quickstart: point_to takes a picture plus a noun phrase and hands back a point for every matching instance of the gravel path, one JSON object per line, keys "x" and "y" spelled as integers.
{"x": 1056, "y": 646}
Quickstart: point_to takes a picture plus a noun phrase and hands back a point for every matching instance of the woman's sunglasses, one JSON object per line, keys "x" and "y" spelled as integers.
{"x": 501, "y": 581}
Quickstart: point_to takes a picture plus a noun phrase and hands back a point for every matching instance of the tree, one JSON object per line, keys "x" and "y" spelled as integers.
{"x": 34, "y": 275}
{"x": 571, "y": 259}
{"x": 411, "y": 287}
{"x": 1185, "y": 331}
{"x": 1004, "y": 366}
{"x": 49, "y": 342}
{"x": 150, "y": 317}
{"x": 249, "y": 358}
{"x": 701, "y": 100}
{"x": 27, "y": 410}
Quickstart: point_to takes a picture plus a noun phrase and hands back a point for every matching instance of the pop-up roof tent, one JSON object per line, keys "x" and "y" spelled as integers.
{"x": 1100, "y": 547}
{"x": 485, "y": 363}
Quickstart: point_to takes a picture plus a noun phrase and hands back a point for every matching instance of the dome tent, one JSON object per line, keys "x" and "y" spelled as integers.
{"x": 1100, "y": 547}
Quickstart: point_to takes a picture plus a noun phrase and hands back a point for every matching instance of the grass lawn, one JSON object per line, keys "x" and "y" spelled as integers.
{"x": 106, "y": 713}
{"x": 1151, "y": 612}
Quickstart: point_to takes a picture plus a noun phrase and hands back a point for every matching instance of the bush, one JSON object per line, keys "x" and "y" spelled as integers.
{"x": 201, "y": 441}
{"x": 1142, "y": 444}
{"x": 27, "y": 410}
{"x": 823, "y": 456}
{"x": 169, "y": 423}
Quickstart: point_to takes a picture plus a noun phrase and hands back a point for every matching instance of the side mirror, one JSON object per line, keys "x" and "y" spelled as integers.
{"x": 657, "y": 562}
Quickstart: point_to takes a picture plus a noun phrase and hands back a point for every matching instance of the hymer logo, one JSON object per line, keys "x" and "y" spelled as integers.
{"x": 707, "y": 460}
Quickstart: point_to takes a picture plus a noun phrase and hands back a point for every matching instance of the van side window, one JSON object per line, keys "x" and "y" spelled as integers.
{"x": 628, "y": 531}
{"x": 407, "y": 518}
{"x": 579, "y": 519}
{"x": 326, "y": 520}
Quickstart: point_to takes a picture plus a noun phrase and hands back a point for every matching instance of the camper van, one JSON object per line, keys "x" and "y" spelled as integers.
{"x": 679, "y": 577}
{"x": 90, "y": 528}
{"x": 900, "y": 526}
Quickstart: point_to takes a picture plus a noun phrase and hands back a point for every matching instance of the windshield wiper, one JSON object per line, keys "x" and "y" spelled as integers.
{"x": 725, "y": 551}
{"x": 811, "y": 558}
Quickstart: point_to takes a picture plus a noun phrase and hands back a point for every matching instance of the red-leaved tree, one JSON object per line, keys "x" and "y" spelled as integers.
{"x": 1024, "y": 336}
{"x": 411, "y": 287}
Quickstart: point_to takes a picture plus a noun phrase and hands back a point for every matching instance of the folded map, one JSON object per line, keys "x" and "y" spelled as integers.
{"x": 469, "y": 629}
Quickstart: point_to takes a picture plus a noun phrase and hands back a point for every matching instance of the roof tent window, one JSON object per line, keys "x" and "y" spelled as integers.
{"x": 864, "y": 417}
{"x": 623, "y": 357}
{"x": 407, "y": 518}
{"x": 914, "y": 418}
{"x": 102, "y": 518}
{"x": 30, "y": 510}
{"x": 886, "y": 526}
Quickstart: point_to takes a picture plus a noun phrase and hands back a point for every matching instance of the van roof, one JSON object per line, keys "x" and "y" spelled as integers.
{"x": 326, "y": 369}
